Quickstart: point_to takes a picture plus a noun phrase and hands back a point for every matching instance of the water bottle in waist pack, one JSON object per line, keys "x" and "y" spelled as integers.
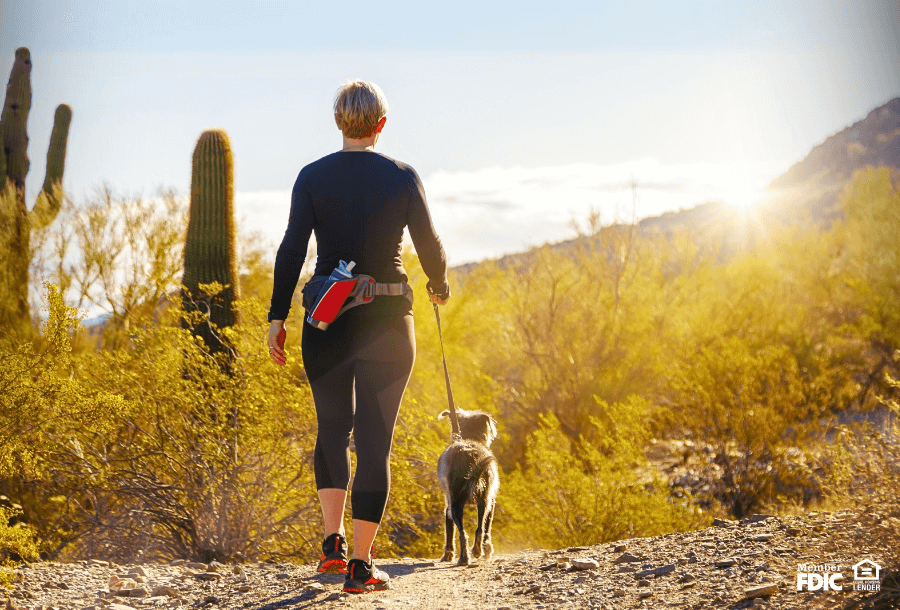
{"x": 327, "y": 297}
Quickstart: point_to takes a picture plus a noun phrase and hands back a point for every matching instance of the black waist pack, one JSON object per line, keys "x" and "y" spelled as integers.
{"x": 325, "y": 297}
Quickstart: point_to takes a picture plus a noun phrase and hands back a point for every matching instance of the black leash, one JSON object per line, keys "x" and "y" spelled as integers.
{"x": 454, "y": 420}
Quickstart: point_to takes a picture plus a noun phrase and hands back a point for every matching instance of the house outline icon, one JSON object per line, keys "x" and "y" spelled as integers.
{"x": 866, "y": 570}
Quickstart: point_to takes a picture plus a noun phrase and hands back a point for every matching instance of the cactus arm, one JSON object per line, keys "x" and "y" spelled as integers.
{"x": 15, "y": 117}
{"x": 50, "y": 198}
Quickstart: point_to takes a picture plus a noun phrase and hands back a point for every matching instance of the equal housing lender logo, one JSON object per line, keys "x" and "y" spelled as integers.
{"x": 830, "y": 576}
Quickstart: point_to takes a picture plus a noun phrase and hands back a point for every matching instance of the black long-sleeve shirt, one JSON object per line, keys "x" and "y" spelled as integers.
{"x": 358, "y": 203}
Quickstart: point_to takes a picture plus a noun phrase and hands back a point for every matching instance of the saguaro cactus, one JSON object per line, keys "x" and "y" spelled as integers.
{"x": 16, "y": 221}
{"x": 210, "y": 251}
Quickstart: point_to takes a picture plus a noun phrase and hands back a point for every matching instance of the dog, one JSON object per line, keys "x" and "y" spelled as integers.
{"x": 467, "y": 472}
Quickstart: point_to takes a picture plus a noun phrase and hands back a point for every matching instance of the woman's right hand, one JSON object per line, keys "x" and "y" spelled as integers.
{"x": 275, "y": 341}
{"x": 436, "y": 299}
{"x": 441, "y": 297}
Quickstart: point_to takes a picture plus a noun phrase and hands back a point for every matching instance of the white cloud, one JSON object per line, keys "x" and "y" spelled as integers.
{"x": 495, "y": 211}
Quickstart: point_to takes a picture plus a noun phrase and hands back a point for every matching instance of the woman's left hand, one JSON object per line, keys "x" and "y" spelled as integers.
{"x": 277, "y": 336}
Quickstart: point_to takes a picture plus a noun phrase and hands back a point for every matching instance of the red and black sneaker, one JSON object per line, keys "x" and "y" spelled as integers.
{"x": 334, "y": 555}
{"x": 364, "y": 577}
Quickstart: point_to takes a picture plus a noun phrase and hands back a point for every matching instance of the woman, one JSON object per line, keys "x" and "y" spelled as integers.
{"x": 358, "y": 202}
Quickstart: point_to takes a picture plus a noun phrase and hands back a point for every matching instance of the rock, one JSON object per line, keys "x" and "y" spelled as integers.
{"x": 763, "y": 537}
{"x": 793, "y": 531}
{"x": 660, "y": 571}
{"x": 11, "y": 605}
{"x": 63, "y": 586}
{"x": 237, "y": 571}
{"x": 18, "y": 578}
{"x": 99, "y": 563}
{"x": 626, "y": 558}
{"x": 315, "y": 586}
{"x": 532, "y": 589}
{"x": 759, "y": 603}
{"x": 177, "y": 562}
{"x": 619, "y": 548}
{"x": 585, "y": 564}
{"x": 214, "y": 566}
{"x": 564, "y": 566}
{"x": 162, "y": 591}
{"x": 244, "y": 588}
{"x": 282, "y": 576}
{"x": 645, "y": 594}
{"x": 207, "y": 575}
{"x": 118, "y": 607}
{"x": 210, "y": 599}
{"x": 138, "y": 592}
{"x": 138, "y": 571}
{"x": 643, "y": 583}
{"x": 549, "y": 566}
{"x": 196, "y": 566}
{"x": 619, "y": 593}
{"x": 722, "y": 523}
{"x": 758, "y": 517}
{"x": 763, "y": 590}
{"x": 336, "y": 595}
{"x": 626, "y": 570}
{"x": 726, "y": 563}
{"x": 577, "y": 549}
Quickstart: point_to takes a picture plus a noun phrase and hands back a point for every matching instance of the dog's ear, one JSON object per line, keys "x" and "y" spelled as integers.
{"x": 490, "y": 425}
{"x": 444, "y": 413}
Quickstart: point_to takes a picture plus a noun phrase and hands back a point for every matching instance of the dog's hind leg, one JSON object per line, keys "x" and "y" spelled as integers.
{"x": 456, "y": 512}
{"x": 448, "y": 544}
{"x": 479, "y": 533}
{"x": 487, "y": 544}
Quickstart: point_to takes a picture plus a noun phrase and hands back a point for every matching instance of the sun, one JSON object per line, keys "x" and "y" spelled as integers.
{"x": 744, "y": 199}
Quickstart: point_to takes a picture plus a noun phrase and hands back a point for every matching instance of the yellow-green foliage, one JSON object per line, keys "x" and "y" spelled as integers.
{"x": 151, "y": 447}
{"x": 41, "y": 399}
{"x": 16, "y": 541}
{"x": 579, "y": 492}
{"x": 205, "y": 464}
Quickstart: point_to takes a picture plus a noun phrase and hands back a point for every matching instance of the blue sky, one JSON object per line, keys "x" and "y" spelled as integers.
{"x": 517, "y": 116}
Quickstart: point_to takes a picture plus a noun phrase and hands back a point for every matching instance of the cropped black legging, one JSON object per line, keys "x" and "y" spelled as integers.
{"x": 358, "y": 370}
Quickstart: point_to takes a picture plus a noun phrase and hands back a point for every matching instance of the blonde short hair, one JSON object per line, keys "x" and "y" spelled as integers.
{"x": 358, "y": 106}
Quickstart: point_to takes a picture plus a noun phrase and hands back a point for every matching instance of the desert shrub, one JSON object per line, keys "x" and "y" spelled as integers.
{"x": 43, "y": 404}
{"x": 17, "y": 541}
{"x": 211, "y": 461}
{"x": 575, "y": 492}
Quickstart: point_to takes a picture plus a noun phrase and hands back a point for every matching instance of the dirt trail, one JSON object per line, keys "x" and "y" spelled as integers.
{"x": 735, "y": 565}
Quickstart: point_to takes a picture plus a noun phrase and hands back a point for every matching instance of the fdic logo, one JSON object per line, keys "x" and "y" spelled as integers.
{"x": 819, "y": 577}
{"x": 827, "y": 576}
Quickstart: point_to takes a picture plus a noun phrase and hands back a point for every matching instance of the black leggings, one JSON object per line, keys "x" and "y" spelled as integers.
{"x": 358, "y": 370}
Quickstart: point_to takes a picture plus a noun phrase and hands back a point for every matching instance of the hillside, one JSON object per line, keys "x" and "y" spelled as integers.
{"x": 874, "y": 140}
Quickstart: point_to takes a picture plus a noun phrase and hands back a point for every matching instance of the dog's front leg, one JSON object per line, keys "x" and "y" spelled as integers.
{"x": 448, "y": 543}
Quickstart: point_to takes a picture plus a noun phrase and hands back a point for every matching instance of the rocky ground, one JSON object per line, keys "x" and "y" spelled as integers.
{"x": 735, "y": 565}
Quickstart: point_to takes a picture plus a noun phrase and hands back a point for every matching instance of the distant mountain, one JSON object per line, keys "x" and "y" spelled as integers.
{"x": 875, "y": 140}
{"x": 808, "y": 191}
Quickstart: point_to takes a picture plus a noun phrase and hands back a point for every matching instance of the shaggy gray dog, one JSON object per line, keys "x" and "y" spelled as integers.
{"x": 467, "y": 471}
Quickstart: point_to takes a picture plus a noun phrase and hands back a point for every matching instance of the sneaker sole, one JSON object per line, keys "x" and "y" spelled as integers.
{"x": 356, "y": 587}
{"x": 333, "y": 566}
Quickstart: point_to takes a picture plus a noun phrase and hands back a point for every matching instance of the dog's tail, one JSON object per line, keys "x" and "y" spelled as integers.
{"x": 476, "y": 472}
